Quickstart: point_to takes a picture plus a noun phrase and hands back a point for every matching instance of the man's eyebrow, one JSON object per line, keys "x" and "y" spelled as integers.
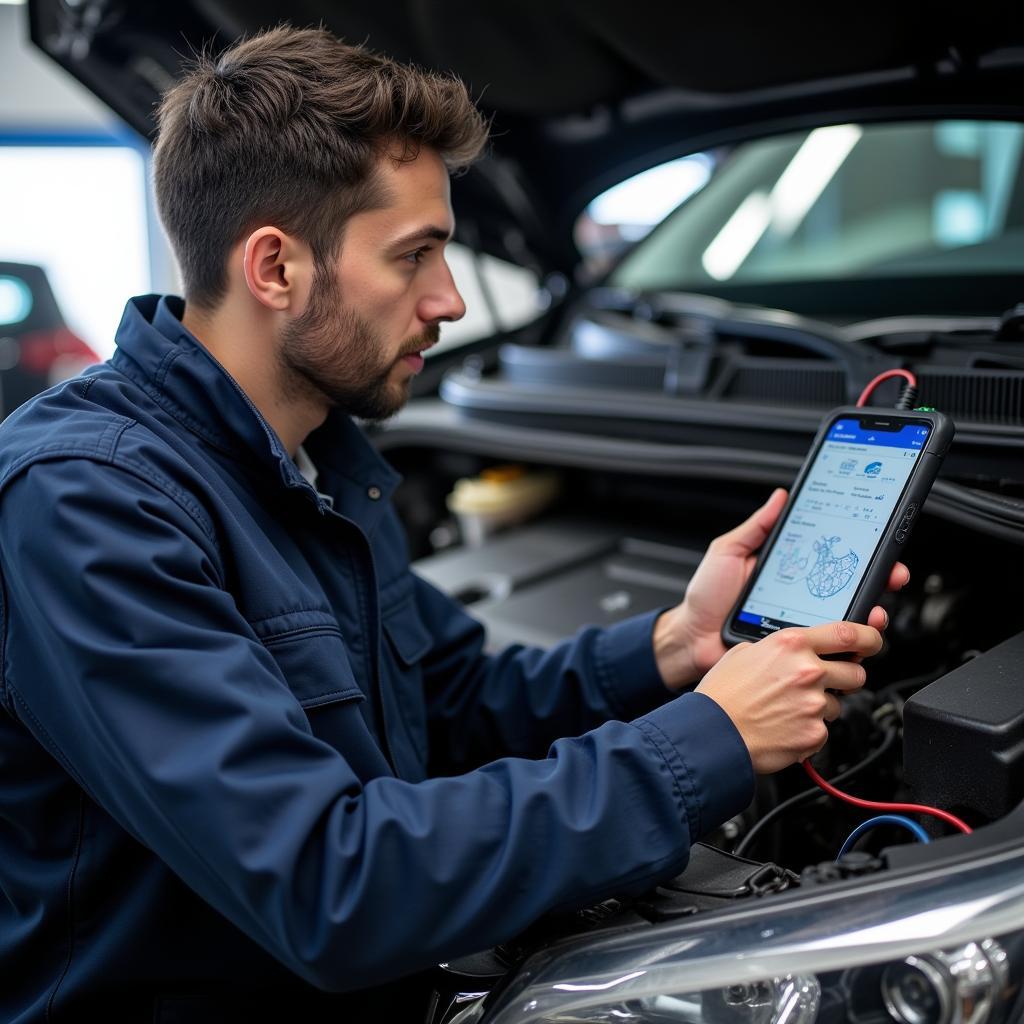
{"x": 428, "y": 231}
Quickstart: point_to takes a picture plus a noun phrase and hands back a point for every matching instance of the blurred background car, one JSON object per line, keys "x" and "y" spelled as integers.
{"x": 37, "y": 348}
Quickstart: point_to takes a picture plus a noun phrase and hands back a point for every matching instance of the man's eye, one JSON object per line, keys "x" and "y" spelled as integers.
{"x": 416, "y": 256}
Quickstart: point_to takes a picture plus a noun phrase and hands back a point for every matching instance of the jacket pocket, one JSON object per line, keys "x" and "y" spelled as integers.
{"x": 311, "y": 654}
{"x": 408, "y": 641}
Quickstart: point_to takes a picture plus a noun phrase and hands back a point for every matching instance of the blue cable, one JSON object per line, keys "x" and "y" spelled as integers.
{"x": 883, "y": 819}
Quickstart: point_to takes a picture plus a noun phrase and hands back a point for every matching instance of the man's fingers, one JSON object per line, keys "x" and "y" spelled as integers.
{"x": 844, "y": 638}
{"x": 752, "y": 532}
{"x": 845, "y": 676}
{"x": 832, "y": 707}
{"x": 899, "y": 577}
{"x": 879, "y": 618}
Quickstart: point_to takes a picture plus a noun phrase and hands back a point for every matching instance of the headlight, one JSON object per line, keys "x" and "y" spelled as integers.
{"x": 946, "y": 987}
{"x": 928, "y": 948}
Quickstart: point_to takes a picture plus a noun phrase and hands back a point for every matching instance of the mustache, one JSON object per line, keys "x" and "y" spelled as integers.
{"x": 427, "y": 337}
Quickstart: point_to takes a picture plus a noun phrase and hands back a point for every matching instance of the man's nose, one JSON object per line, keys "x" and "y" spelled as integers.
{"x": 443, "y": 301}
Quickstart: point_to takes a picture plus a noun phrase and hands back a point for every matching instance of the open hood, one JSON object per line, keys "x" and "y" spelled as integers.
{"x": 584, "y": 93}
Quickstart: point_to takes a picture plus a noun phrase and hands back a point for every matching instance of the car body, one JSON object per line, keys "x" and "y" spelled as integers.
{"x": 667, "y": 396}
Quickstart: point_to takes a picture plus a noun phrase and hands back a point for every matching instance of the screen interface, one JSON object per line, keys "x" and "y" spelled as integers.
{"x": 826, "y": 543}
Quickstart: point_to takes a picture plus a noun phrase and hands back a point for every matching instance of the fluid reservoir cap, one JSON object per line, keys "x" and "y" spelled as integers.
{"x": 498, "y": 498}
{"x": 502, "y": 474}
{"x": 503, "y": 489}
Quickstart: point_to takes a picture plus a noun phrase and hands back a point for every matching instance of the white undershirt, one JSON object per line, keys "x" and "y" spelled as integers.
{"x": 305, "y": 466}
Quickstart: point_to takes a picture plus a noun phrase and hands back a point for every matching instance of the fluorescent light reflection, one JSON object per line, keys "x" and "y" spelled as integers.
{"x": 782, "y": 210}
{"x": 815, "y": 164}
{"x": 740, "y": 233}
{"x": 926, "y": 927}
{"x": 599, "y": 986}
{"x": 649, "y": 197}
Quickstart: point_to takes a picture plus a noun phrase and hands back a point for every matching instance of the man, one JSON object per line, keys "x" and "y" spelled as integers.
{"x": 248, "y": 759}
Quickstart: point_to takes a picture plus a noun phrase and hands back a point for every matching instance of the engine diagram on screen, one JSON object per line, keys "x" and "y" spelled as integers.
{"x": 792, "y": 563}
{"x": 828, "y": 575}
{"x": 831, "y": 572}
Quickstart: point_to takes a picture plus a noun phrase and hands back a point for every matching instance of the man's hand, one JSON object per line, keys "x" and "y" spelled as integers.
{"x": 776, "y": 690}
{"x": 687, "y": 638}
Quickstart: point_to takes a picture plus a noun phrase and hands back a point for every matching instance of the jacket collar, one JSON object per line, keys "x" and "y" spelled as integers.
{"x": 159, "y": 354}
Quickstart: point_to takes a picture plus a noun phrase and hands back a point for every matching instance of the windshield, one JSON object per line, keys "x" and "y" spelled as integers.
{"x": 846, "y": 201}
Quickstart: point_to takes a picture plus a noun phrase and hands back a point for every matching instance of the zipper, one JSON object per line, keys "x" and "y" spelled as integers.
{"x": 373, "y": 651}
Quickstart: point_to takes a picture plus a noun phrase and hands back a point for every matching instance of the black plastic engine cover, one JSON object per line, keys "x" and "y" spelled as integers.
{"x": 963, "y": 735}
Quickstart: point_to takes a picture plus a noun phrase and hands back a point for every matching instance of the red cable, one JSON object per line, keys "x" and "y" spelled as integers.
{"x": 875, "y": 805}
{"x": 866, "y": 393}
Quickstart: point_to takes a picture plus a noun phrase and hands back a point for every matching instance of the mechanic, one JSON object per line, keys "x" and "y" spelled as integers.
{"x": 252, "y": 766}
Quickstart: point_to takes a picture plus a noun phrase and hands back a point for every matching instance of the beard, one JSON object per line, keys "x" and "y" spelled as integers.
{"x": 332, "y": 352}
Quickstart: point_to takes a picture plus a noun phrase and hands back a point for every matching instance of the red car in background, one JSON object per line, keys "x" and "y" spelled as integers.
{"x": 37, "y": 348}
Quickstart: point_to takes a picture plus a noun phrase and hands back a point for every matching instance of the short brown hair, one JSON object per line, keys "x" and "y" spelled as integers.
{"x": 285, "y": 128}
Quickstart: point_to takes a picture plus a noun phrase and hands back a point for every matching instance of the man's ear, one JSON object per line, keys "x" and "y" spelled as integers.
{"x": 274, "y": 267}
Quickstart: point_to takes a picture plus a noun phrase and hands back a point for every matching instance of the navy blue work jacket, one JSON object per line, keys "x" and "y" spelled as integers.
{"x": 248, "y": 760}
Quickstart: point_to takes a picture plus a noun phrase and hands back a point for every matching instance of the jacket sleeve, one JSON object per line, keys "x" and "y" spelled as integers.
{"x": 127, "y": 659}
{"x": 519, "y": 701}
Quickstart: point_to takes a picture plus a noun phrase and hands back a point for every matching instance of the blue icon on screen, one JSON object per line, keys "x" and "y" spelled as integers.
{"x": 873, "y": 469}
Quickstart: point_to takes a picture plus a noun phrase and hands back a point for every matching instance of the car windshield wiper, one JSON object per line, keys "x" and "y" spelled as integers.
{"x": 730, "y": 319}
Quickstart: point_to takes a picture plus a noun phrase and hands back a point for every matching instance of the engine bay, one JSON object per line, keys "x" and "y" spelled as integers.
{"x": 938, "y": 722}
{"x": 642, "y": 473}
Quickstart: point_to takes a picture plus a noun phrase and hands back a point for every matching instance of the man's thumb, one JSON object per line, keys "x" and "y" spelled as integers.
{"x": 752, "y": 532}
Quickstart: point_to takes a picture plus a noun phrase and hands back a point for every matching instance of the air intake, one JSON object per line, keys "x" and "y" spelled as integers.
{"x": 975, "y": 396}
{"x": 786, "y": 382}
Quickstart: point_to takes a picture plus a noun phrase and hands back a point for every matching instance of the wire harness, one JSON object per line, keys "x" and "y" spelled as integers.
{"x": 908, "y": 396}
{"x": 883, "y": 819}
{"x": 877, "y": 805}
{"x": 814, "y": 792}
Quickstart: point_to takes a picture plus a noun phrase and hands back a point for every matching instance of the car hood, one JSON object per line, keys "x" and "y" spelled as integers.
{"x": 582, "y": 94}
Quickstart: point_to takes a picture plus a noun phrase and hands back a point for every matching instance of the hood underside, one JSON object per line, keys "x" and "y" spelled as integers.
{"x": 584, "y": 93}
